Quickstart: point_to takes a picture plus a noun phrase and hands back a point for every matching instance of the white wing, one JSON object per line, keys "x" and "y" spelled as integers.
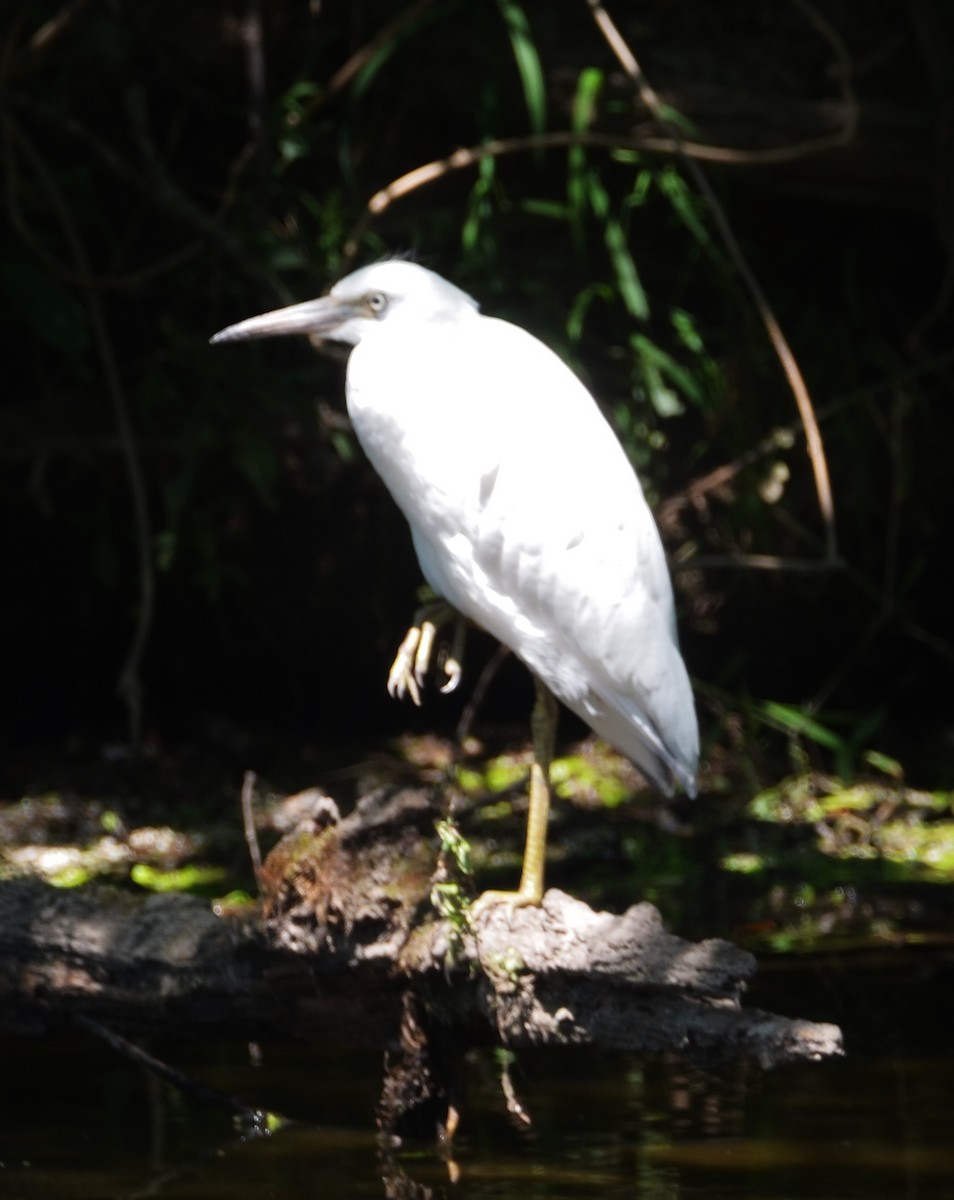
{"x": 528, "y": 518}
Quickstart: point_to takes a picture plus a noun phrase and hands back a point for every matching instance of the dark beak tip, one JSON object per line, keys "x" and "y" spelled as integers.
{"x": 313, "y": 319}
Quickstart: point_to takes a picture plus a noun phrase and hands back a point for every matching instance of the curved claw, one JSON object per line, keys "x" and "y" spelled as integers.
{"x": 452, "y": 660}
{"x": 402, "y": 679}
{"x": 425, "y": 648}
{"x": 453, "y": 671}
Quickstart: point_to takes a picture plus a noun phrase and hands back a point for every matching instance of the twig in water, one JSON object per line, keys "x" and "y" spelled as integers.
{"x": 256, "y": 1117}
{"x": 248, "y": 823}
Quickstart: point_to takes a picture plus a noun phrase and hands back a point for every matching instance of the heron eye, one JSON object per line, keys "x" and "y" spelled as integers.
{"x": 377, "y": 302}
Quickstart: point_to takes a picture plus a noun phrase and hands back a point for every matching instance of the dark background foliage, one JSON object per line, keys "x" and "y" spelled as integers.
{"x": 199, "y": 522}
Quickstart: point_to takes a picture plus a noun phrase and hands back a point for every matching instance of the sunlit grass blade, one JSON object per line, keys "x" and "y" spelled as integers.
{"x": 578, "y": 172}
{"x": 624, "y": 266}
{"x": 528, "y": 63}
{"x": 655, "y": 358}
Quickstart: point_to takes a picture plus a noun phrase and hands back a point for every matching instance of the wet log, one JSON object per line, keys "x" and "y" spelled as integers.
{"x": 348, "y": 949}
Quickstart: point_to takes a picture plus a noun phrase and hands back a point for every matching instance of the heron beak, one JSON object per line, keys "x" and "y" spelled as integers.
{"x": 317, "y": 318}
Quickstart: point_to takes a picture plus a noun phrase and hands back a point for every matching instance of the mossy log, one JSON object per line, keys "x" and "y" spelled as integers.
{"x": 347, "y": 949}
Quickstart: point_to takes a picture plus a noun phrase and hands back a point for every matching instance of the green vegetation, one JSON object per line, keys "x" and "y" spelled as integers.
{"x": 448, "y": 896}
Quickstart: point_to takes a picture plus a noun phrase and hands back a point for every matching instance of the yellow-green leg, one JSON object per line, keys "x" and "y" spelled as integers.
{"x": 543, "y": 728}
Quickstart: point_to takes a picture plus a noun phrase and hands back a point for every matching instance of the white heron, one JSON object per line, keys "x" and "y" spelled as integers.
{"x": 526, "y": 515}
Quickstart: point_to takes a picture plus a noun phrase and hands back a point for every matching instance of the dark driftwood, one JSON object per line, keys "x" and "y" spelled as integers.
{"x": 348, "y": 950}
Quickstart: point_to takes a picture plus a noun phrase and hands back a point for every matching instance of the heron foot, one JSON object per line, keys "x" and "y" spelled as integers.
{"x": 524, "y": 898}
{"x": 408, "y": 671}
{"x": 413, "y": 659}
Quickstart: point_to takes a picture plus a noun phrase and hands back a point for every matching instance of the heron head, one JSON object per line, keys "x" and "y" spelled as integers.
{"x": 392, "y": 293}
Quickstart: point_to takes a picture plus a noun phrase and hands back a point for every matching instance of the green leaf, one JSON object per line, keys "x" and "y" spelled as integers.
{"x": 641, "y": 188}
{"x": 883, "y": 763}
{"x": 664, "y": 400}
{"x": 366, "y": 76}
{"x": 480, "y": 206}
{"x": 684, "y": 202}
{"x": 181, "y": 880}
{"x": 675, "y": 117}
{"x": 654, "y": 358}
{"x": 528, "y": 63}
{"x": 687, "y": 331}
{"x": 582, "y": 181}
{"x": 627, "y": 277}
{"x": 580, "y": 307}
{"x": 165, "y": 546}
{"x": 291, "y": 146}
{"x": 796, "y": 720}
{"x": 743, "y": 863}
{"x": 548, "y": 209}
{"x": 622, "y": 154}
{"x": 300, "y": 93}
{"x": 588, "y": 88}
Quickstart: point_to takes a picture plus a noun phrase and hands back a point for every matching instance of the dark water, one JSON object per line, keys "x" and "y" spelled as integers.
{"x": 78, "y": 1121}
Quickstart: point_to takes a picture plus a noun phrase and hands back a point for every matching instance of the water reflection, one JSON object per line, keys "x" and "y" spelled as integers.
{"x": 80, "y": 1122}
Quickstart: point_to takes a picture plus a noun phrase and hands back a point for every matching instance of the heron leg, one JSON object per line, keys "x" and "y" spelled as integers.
{"x": 543, "y": 725}
{"x": 413, "y": 659}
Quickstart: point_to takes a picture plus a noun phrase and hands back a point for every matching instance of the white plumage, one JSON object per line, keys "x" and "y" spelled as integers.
{"x": 526, "y": 515}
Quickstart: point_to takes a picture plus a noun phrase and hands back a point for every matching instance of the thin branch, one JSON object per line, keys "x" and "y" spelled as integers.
{"x": 756, "y": 562}
{"x": 254, "y": 40}
{"x": 780, "y": 439}
{"x": 159, "y": 189}
{"x": 478, "y": 692}
{"x": 816, "y": 449}
{"x": 469, "y": 156}
{"x": 55, "y": 27}
{"x": 843, "y": 72}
